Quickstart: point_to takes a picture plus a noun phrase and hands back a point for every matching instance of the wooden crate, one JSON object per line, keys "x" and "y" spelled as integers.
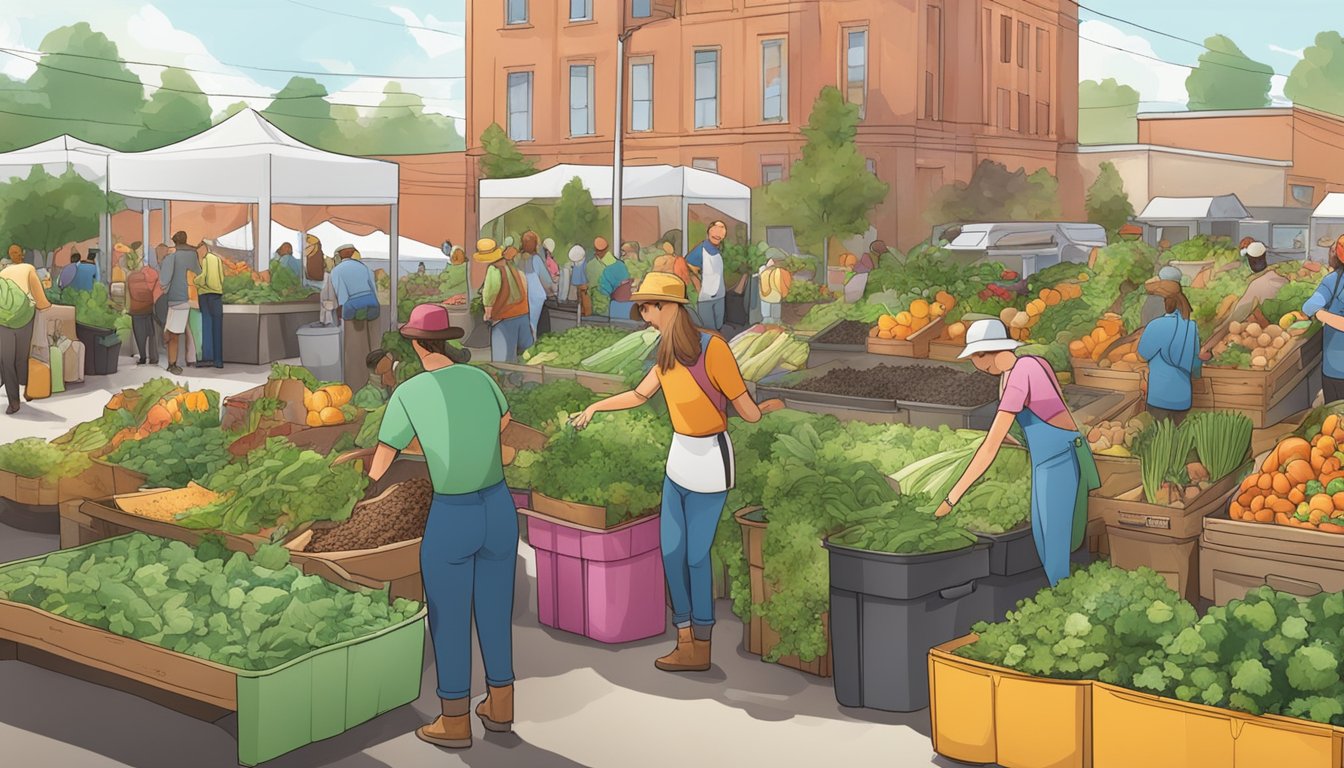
{"x": 758, "y": 637}
{"x": 1090, "y": 373}
{"x": 1266, "y": 397}
{"x": 916, "y": 346}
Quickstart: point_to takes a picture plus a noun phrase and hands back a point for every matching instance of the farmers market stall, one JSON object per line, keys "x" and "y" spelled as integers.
{"x": 266, "y": 332}
{"x": 1327, "y": 226}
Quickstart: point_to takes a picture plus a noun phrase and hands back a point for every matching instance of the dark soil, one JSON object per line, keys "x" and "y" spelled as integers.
{"x": 399, "y": 516}
{"x": 847, "y": 332}
{"x": 913, "y": 383}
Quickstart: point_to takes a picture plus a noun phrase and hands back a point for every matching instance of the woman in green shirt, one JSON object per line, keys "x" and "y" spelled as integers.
{"x": 470, "y": 547}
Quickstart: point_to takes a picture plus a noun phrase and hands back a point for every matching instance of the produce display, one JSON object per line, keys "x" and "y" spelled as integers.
{"x": 904, "y": 526}
{"x": 175, "y": 455}
{"x": 329, "y": 405}
{"x": 999, "y": 502}
{"x": 844, "y": 333}
{"x": 35, "y": 457}
{"x": 1116, "y": 438}
{"x": 92, "y": 308}
{"x": 912, "y": 383}
{"x": 807, "y": 292}
{"x": 165, "y": 506}
{"x": 251, "y": 613}
{"x": 570, "y": 348}
{"x": 763, "y": 349}
{"x": 1098, "y": 345}
{"x": 1258, "y": 347}
{"x": 278, "y": 484}
{"x": 1270, "y": 653}
{"x": 903, "y": 324}
{"x": 276, "y": 285}
{"x": 1299, "y": 483}
{"x": 625, "y": 358}
{"x": 823, "y": 315}
{"x": 1220, "y": 442}
{"x": 397, "y": 516}
{"x": 446, "y": 287}
{"x": 1021, "y": 322}
{"x": 546, "y": 406}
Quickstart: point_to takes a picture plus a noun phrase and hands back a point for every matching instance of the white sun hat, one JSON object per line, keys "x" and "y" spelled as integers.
{"x": 1255, "y": 250}
{"x": 987, "y": 336}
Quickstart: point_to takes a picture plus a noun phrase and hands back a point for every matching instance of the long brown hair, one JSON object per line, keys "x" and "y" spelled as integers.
{"x": 680, "y": 342}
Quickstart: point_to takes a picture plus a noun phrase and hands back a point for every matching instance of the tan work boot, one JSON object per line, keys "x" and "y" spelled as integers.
{"x": 452, "y": 729}
{"x": 496, "y": 711}
{"x": 690, "y": 655}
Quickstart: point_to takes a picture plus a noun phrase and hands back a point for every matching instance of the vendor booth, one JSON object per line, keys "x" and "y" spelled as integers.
{"x": 1327, "y": 226}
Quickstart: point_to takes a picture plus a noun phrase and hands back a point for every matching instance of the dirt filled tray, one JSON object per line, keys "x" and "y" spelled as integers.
{"x": 884, "y": 387}
{"x": 1238, "y": 556}
{"x": 837, "y": 341}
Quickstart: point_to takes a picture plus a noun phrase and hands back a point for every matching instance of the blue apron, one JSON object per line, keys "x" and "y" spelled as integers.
{"x": 361, "y": 306}
{"x": 1055, "y": 481}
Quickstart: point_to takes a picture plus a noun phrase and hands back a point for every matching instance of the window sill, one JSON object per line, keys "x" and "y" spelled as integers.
{"x": 515, "y": 27}
{"x": 581, "y": 22}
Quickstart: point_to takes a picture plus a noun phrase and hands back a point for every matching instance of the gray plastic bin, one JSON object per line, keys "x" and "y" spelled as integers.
{"x": 320, "y": 351}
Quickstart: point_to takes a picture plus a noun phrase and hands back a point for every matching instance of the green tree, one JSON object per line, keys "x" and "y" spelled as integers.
{"x": 1317, "y": 81}
{"x": 44, "y": 212}
{"x": 82, "y": 80}
{"x": 177, "y": 111}
{"x": 997, "y": 194}
{"x": 1107, "y": 202}
{"x": 502, "y": 160}
{"x": 230, "y": 111}
{"x": 17, "y": 102}
{"x": 830, "y": 191}
{"x": 1226, "y": 78}
{"x": 301, "y": 110}
{"x": 401, "y": 126}
{"x": 576, "y": 218}
{"x": 1107, "y": 112}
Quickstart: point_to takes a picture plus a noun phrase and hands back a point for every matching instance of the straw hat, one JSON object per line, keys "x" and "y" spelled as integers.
{"x": 487, "y": 251}
{"x": 987, "y": 336}
{"x": 658, "y": 286}
{"x": 430, "y": 321}
{"x": 669, "y": 249}
{"x": 121, "y": 248}
{"x": 577, "y": 254}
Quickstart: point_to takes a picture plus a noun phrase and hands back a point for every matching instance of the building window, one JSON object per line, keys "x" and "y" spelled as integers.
{"x": 520, "y": 106}
{"x": 641, "y": 95}
{"x": 1005, "y": 109}
{"x": 710, "y": 164}
{"x": 1042, "y": 49}
{"x": 641, "y": 9}
{"x": 774, "y": 82}
{"x": 516, "y": 12}
{"x": 856, "y": 69}
{"x": 1288, "y": 237}
{"x": 1302, "y": 194}
{"x": 580, "y": 10}
{"x": 1005, "y": 40}
{"x": 1042, "y": 118}
{"x": 581, "y": 100}
{"x": 1023, "y": 44}
{"x": 933, "y": 72}
{"x": 772, "y": 173}
{"x": 706, "y": 89}
{"x": 1023, "y": 112}
{"x": 871, "y": 164}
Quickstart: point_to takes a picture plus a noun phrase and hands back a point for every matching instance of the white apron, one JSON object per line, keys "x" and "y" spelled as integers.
{"x": 702, "y": 464}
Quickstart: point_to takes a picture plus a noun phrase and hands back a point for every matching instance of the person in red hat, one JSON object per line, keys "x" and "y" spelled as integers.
{"x": 468, "y": 553}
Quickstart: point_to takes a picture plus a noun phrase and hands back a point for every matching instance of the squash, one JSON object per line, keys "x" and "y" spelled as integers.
{"x": 886, "y": 322}
{"x": 904, "y": 318}
{"x": 901, "y": 332}
{"x": 1280, "y": 484}
{"x": 158, "y": 417}
{"x": 340, "y": 394}
{"x": 1297, "y": 495}
{"x": 1299, "y": 471}
{"x": 945, "y": 298}
{"x": 314, "y": 419}
{"x": 331, "y": 416}
{"x": 1328, "y": 426}
{"x": 1294, "y": 448}
{"x": 320, "y": 401}
{"x": 919, "y": 308}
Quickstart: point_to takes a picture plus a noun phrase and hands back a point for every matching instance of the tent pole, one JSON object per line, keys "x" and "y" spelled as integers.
{"x": 145, "y": 247}
{"x": 167, "y": 224}
{"x": 264, "y": 217}
{"x": 618, "y": 164}
{"x": 394, "y": 251}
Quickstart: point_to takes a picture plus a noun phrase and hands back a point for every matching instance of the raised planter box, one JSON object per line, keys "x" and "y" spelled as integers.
{"x": 1090, "y": 373}
{"x": 758, "y": 637}
{"x": 1236, "y": 557}
{"x": 820, "y": 353}
{"x": 311, "y": 698}
{"x": 87, "y": 521}
{"x": 916, "y": 346}
{"x": 946, "y": 350}
{"x": 604, "y": 584}
{"x": 887, "y": 611}
{"x": 257, "y": 334}
{"x": 1266, "y": 397}
{"x": 873, "y": 410}
{"x": 32, "y": 504}
{"x": 584, "y": 515}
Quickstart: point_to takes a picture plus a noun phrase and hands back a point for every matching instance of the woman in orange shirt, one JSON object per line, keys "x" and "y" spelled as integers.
{"x": 699, "y": 377}
{"x": 16, "y": 335}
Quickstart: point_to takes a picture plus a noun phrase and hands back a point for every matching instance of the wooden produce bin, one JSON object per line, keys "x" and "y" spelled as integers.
{"x": 916, "y": 346}
{"x": 87, "y": 521}
{"x": 1163, "y": 538}
{"x": 1266, "y": 397}
{"x": 945, "y": 350}
{"x": 1236, "y": 557}
{"x": 757, "y": 635}
{"x": 32, "y": 504}
{"x": 1090, "y": 373}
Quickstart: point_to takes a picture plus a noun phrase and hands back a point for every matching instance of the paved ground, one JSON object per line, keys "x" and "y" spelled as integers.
{"x": 579, "y": 703}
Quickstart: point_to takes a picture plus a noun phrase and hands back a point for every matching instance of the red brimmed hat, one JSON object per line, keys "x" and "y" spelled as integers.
{"x": 430, "y": 321}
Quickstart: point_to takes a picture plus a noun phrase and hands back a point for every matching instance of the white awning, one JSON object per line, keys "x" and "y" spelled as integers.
{"x": 56, "y": 156}
{"x": 1220, "y": 208}
{"x": 1332, "y": 207}
{"x": 371, "y": 246}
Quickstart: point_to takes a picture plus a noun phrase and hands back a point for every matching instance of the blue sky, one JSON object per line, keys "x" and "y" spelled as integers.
{"x": 423, "y": 38}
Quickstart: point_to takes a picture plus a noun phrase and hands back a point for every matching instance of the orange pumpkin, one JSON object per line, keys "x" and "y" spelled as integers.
{"x": 1282, "y": 505}
{"x": 1297, "y": 495}
{"x": 1257, "y": 503}
{"x": 1294, "y": 448}
{"x": 1330, "y": 424}
{"x": 1280, "y": 485}
{"x": 1326, "y": 445}
{"x": 1235, "y": 510}
{"x": 1323, "y": 503}
{"x": 1264, "y": 516}
{"x": 1300, "y": 471}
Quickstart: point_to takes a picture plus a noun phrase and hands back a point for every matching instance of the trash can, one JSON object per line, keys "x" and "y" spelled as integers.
{"x": 320, "y": 351}
{"x": 102, "y": 346}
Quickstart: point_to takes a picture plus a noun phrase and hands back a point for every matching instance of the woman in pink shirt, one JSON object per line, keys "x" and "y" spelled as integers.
{"x": 1029, "y": 394}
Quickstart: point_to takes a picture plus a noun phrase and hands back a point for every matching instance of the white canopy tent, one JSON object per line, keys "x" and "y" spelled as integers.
{"x": 1327, "y": 226}
{"x": 676, "y": 189}
{"x": 246, "y": 159}
{"x": 371, "y": 246}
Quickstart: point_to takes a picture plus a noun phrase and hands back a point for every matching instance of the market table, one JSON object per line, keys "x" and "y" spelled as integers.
{"x": 257, "y": 334}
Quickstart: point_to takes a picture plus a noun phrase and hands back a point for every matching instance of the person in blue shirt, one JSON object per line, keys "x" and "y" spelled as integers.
{"x": 707, "y": 259}
{"x": 1170, "y": 345}
{"x": 69, "y": 271}
{"x": 357, "y": 303}
{"x": 1327, "y": 306}
{"x": 617, "y": 284}
{"x": 578, "y": 279}
{"x": 285, "y": 255}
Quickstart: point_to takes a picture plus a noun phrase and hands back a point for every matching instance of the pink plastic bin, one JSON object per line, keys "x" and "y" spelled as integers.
{"x": 604, "y": 585}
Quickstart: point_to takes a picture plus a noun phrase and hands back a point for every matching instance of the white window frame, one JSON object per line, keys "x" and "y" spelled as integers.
{"x": 849, "y": 33}
{"x": 589, "y": 75}
{"x": 635, "y": 101}
{"x": 780, "y": 46}
{"x": 509, "y": 105}
{"x": 587, "y": 13}
{"x": 696, "y": 97}
{"x": 510, "y": 19}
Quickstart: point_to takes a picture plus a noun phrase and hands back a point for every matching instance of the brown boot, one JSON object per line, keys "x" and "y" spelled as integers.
{"x": 496, "y": 711}
{"x": 690, "y": 655}
{"x": 452, "y": 729}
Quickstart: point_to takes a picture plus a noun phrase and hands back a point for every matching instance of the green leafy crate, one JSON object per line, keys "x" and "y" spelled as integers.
{"x": 313, "y": 697}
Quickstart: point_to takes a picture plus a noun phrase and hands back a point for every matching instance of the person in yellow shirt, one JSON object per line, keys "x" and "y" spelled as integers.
{"x": 210, "y": 298}
{"x": 699, "y": 377}
{"x": 17, "y": 319}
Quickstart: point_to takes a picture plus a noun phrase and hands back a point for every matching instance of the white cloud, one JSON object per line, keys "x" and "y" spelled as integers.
{"x": 14, "y": 66}
{"x": 338, "y": 67}
{"x": 1296, "y": 54}
{"x": 1160, "y": 85}
{"x": 1276, "y": 94}
{"x": 449, "y": 38}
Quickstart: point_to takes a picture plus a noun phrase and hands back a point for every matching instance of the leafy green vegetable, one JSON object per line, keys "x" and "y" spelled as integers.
{"x": 1221, "y": 438}
{"x": 806, "y": 292}
{"x": 542, "y": 406}
{"x": 175, "y": 455}
{"x": 570, "y": 348}
{"x": 283, "y": 286}
{"x": 282, "y": 371}
{"x": 35, "y": 457}
{"x": 247, "y": 613}
{"x": 618, "y": 462}
{"x": 368, "y": 431}
{"x": 904, "y": 526}
{"x": 368, "y": 397}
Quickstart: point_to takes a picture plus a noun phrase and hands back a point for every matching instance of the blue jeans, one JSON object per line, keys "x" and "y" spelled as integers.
{"x": 687, "y": 527}
{"x": 508, "y": 338}
{"x": 467, "y": 561}
{"x": 212, "y": 328}
{"x": 710, "y": 313}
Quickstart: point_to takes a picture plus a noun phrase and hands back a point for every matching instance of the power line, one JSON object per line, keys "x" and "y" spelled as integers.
{"x": 401, "y": 24}
{"x": 1177, "y": 38}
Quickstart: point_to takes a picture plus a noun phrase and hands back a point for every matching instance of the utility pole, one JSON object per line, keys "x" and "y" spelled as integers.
{"x": 618, "y": 161}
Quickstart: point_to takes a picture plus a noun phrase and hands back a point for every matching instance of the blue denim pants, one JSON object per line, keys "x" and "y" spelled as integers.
{"x": 467, "y": 560}
{"x": 212, "y": 328}
{"x": 687, "y": 527}
{"x": 508, "y": 338}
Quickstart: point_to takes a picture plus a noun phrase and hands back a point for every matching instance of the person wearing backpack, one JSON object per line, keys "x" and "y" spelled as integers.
{"x": 504, "y": 296}
{"x": 1170, "y": 345}
{"x": 143, "y": 291}
{"x": 775, "y": 284}
{"x": 21, "y": 296}
{"x": 699, "y": 377}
